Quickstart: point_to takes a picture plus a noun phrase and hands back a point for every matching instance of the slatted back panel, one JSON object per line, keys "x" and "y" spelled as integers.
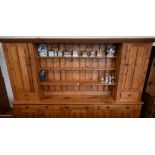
{"x": 89, "y": 69}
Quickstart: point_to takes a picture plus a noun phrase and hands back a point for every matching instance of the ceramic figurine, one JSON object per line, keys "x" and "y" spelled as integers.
{"x": 110, "y": 50}
{"x": 67, "y": 53}
{"x": 51, "y": 53}
{"x": 102, "y": 79}
{"x": 106, "y": 80}
{"x": 99, "y": 53}
{"x": 55, "y": 53}
{"x": 75, "y": 53}
{"x": 42, "y": 49}
{"x": 42, "y": 75}
{"x": 109, "y": 79}
{"x": 93, "y": 54}
{"x": 113, "y": 78}
{"x": 84, "y": 54}
{"x": 60, "y": 53}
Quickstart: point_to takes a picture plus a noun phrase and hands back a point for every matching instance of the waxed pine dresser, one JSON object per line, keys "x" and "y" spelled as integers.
{"x": 76, "y": 85}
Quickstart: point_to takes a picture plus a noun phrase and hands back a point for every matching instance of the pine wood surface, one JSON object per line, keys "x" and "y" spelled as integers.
{"x": 78, "y": 111}
{"x": 76, "y": 81}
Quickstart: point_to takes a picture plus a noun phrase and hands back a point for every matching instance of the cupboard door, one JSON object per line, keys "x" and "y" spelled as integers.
{"x": 20, "y": 69}
{"x": 133, "y": 67}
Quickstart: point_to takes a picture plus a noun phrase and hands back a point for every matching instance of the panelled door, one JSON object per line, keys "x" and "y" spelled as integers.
{"x": 19, "y": 59}
{"x": 133, "y": 67}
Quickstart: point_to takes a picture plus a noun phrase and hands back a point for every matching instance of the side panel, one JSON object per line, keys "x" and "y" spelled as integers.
{"x": 21, "y": 66}
{"x": 133, "y": 67}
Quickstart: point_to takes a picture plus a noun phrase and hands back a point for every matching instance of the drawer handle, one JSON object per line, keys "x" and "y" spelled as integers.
{"x": 127, "y": 107}
{"x": 46, "y": 107}
{"x": 26, "y": 107}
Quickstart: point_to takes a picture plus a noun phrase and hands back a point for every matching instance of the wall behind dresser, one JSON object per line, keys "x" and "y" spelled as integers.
{"x": 5, "y": 75}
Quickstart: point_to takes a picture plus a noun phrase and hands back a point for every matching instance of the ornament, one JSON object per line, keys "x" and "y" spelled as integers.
{"x": 51, "y": 53}
{"x": 109, "y": 79}
{"x": 42, "y": 75}
{"x": 42, "y": 49}
{"x": 84, "y": 54}
{"x": 60, "y": 53}
{"x": 106, "y": 79}
{"x": 93, "y": 54}
{"x": 75, "y": 53}
{"x": 67, "y": 53}
{"x": 99, "y": 53}
{"x": 110, "y": 51}
{"x": 102, "y": 79}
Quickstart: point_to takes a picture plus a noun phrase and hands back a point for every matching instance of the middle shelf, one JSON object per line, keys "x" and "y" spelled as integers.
{"x": 76, "y": 83}
{"x": 76, "y": 68}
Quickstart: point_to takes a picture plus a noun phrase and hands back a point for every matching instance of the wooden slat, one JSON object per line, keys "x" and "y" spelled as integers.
{"x": 89, "y": 49}
{"x": 69, "y": 63}
{"x": 82, "y": 65}
{"x": 76, "y": 64}
{"x": 14, "y": 66}
{"x": 56, "y": 64}
{"x": 50, "y": 64}
{"x": 24, "y": 62}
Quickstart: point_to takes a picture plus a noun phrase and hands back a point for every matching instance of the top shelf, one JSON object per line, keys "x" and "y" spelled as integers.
{"x": 80, "y": 57}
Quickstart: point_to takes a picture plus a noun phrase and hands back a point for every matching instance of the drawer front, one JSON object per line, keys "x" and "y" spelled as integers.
{"x": 78, "y": 111}
{"x": 129, "y": 95}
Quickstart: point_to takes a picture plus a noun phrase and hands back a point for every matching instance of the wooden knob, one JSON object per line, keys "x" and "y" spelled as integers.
{"x": 46, "y": 107}
{"x": 108, "y": 107}
{"x": 127, "y": 107}
{"x": 26, "y": 107}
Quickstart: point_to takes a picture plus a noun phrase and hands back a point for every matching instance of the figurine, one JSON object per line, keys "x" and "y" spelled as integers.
{"x": 42, "y": 75}
{"x": 55, "y": 53}
{"x": 102, "y": 79}
{"x": 60, "y": 53}
{"x": 67, "y": 53}
{"x": 51, "y": 53}
{"x": 75, "y": 53}
{"x": 42, "y": 49}
{"x": 93, "y": 54}
{"x": 109, "y": 79}
{"x": 113, "y": 78}
{"x": 99, "y": 53}
{"x": 110, "y": 51}
{"x": 84, "y": 54}
{"x": 106, "y": 80}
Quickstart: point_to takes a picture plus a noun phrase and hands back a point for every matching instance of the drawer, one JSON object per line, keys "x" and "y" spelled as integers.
{"x": 129, "y": 95}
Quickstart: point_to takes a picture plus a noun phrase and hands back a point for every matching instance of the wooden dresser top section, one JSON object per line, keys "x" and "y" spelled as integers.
{"x": 75, "y": 39}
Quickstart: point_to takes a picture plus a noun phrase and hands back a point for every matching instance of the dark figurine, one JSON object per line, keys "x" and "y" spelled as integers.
{"x": 42, "y": 75}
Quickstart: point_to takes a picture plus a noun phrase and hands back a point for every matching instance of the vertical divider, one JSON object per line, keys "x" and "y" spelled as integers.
{"x": 75, "y": 65}
{"x": 69, "y": 64}
{"x": 56, "y": 64}
{"x": 89, "y": 49}
{"x": 63, "y": 65}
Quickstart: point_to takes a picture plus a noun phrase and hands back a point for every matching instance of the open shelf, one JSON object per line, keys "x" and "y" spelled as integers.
{"x": 80, "y": 57}
{"x": 77, "y": 76}
{"x": 78, "y": 68}
{"x": 76, "y": 83}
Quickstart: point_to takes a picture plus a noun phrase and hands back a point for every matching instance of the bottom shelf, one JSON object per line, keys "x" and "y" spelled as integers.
{"x": 78, "y": 100}
{"x": 66, "y": 99}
